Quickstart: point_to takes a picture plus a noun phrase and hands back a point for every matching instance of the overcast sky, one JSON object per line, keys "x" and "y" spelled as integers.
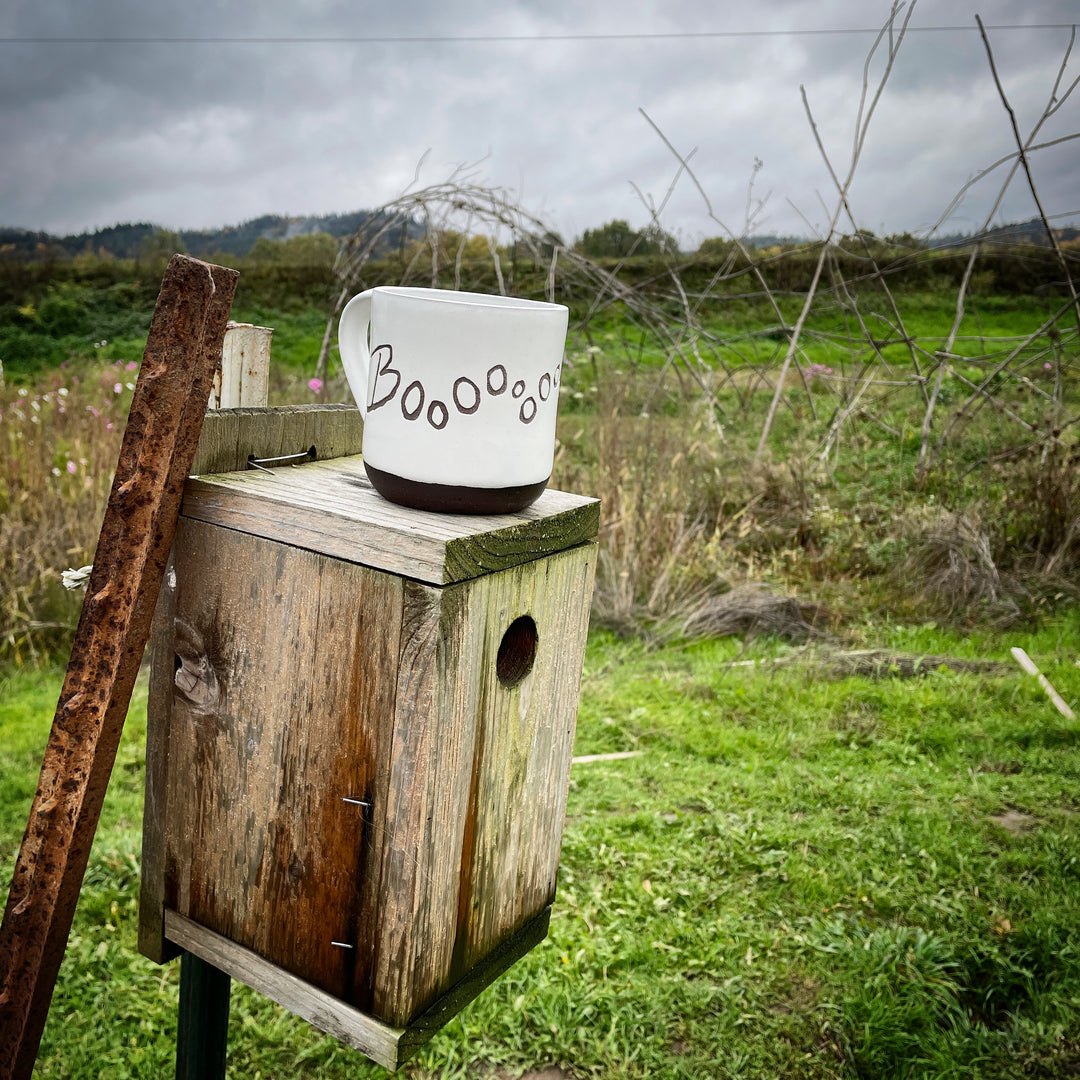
{"x": 194, "y": 134}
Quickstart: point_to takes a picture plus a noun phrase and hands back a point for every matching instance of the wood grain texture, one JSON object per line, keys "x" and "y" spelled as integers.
{"x": 333, "y": 506}
{"x": 260, "y": 844}
{"x": 424, "y": 812}
{"x": 293, "y": 679}
{"x": 524, "y": 744}
{"x": 159, "y": 712}
{"x": 230, "y": 437}
{"x": 327, "y": 1013}
{"x": 476, "y": 979}
{"x": 243, "y": 375}
{"x": 389, "y": 1046}
{"x": 479, "y": 773}
{"x": 241, "y": 378}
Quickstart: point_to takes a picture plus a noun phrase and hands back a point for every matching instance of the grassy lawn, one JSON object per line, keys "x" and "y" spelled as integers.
{"x": 801, "y": 876}
{"x": 803, "y": 873}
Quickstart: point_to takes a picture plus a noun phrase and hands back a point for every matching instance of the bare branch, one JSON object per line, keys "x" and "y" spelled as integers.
{"x": 1023, "y": 157}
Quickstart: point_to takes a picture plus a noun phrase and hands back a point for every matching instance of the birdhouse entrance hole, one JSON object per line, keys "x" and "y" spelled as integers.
{"x": 517, "y": 651}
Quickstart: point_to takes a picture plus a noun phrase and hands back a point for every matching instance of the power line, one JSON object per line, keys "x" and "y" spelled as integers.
{"x": 505, "y": 38}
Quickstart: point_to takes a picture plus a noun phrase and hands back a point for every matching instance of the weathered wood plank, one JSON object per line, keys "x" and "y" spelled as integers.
{"x": 354, "y": 1028}
{"x": 524, "y": 744}
{"x": 333, "y": 507}
{"x": 309, "y": 677}
{"x": 465, "y": 779}
{"x": 389, "y": 1046}
{"x": 241, "y": 378}
{"x": 159, "y": 713}
{"x": 426, "y": 800}
{"x": 159, "y": 443}
{"x": 288, "y": 670}
{"x": 231, "y": 437}
{"x": 479, "y": 774}
{"x": 472, "y": 983}
{"x": 243, "y": 375}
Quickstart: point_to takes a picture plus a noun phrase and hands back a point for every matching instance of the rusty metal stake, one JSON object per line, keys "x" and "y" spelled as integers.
{"x": 159, "y": 446}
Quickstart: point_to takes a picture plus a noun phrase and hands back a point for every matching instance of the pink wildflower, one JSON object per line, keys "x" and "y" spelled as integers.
{"x": 315, "y": 385}
{"x": 118, "y": 388}
{"x": 131, "y": 365}
{"x": 72, "y": 468}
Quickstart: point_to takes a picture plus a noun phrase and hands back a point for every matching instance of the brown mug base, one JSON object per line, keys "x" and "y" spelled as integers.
{"x": 450, "y": 499}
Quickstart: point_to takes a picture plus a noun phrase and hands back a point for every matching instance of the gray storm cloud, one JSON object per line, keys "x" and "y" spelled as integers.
{"x": 192, "y": 134}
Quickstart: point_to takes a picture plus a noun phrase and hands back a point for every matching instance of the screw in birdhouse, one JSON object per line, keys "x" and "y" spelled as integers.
{"x": 342, "y": 944}
{"x": 355, "y": 802}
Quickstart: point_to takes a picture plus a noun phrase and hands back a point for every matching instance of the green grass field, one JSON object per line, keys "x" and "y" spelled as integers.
{"x": 799, "y": 876}
{"x": 803, "y": 874}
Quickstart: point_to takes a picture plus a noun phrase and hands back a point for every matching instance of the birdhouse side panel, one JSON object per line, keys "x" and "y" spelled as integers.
{"x": 479, "y": 772}
{"x": 421, "y": 820}
{"x": 524, "y": 744}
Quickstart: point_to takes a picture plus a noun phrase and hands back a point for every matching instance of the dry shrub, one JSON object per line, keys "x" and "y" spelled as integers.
{"x": 683, "y": 516}
{"x": 950, "y": 567}
{"x": 1016, "y": 550}
{"x": 1040, "y": 533}
{"x": 653, "y": 475}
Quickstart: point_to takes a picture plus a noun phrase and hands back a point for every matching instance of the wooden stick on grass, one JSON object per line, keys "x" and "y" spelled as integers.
{"x": 1028, "y": 665}
{"x": 619, "y": 755}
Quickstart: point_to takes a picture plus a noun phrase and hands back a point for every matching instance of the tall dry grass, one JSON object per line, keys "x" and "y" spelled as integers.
{"x": 59, "y": 440}
{"x": 698, "y": 538}
{"x": 686, "y": 516}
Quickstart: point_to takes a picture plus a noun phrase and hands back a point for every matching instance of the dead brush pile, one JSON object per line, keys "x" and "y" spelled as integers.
{"x": 752, "y": 609}
{"x": 951, "y": 568}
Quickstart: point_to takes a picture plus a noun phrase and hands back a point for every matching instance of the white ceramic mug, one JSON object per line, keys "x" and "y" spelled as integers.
{"x": 458, "y": 392}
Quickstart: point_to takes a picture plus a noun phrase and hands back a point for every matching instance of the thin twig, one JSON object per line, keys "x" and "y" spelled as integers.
{"x": 865, "y": 115}
{"x": 1026, "y": 165}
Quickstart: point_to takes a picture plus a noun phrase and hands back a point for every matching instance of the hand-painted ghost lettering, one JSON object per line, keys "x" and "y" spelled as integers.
{"x": 381, "y": 359}
{"x": 466, "y": 394}
{"x": 467, "y": 389}
{"x": 408, "y": 411}
{"x": 498, "y": 372}
{"x": 437, "y": 415}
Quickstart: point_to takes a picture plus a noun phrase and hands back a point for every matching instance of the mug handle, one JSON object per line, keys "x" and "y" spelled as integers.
{"x": 353, "y": 346}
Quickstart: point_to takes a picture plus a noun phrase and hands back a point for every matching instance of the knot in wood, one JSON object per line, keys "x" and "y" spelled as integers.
{"x": 194, "y": 676}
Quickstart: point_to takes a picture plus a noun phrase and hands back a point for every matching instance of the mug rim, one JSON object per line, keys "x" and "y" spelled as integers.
{"x": 462, "y": 298}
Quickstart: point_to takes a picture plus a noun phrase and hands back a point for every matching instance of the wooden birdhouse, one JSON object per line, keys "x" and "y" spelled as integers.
{"x": 360, "y": 729}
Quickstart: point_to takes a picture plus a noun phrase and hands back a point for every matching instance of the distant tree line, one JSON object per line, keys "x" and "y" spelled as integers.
{"x": 279, "y": 240}
{"x": 144, "y": 243}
